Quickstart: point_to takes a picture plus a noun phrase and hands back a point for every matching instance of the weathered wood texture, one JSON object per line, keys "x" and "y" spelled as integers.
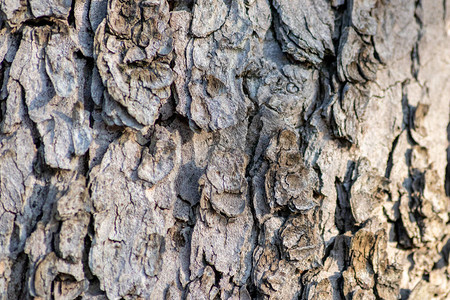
{"x": 224, "y": 149}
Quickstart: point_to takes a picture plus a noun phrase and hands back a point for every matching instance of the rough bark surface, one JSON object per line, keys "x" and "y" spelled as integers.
{"x": 224, "y": 149}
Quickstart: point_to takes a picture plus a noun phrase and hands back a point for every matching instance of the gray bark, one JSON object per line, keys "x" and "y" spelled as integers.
{"x": 224, "y": 149}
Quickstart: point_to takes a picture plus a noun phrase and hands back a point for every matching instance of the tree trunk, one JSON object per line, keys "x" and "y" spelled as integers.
{"x": 224, "y": 149}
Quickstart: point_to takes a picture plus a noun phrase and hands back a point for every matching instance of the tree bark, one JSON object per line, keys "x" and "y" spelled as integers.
{"x": 224, "y": 149}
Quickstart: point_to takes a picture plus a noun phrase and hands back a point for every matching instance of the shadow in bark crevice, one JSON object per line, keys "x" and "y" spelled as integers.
{"x": 344, "y": 219}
